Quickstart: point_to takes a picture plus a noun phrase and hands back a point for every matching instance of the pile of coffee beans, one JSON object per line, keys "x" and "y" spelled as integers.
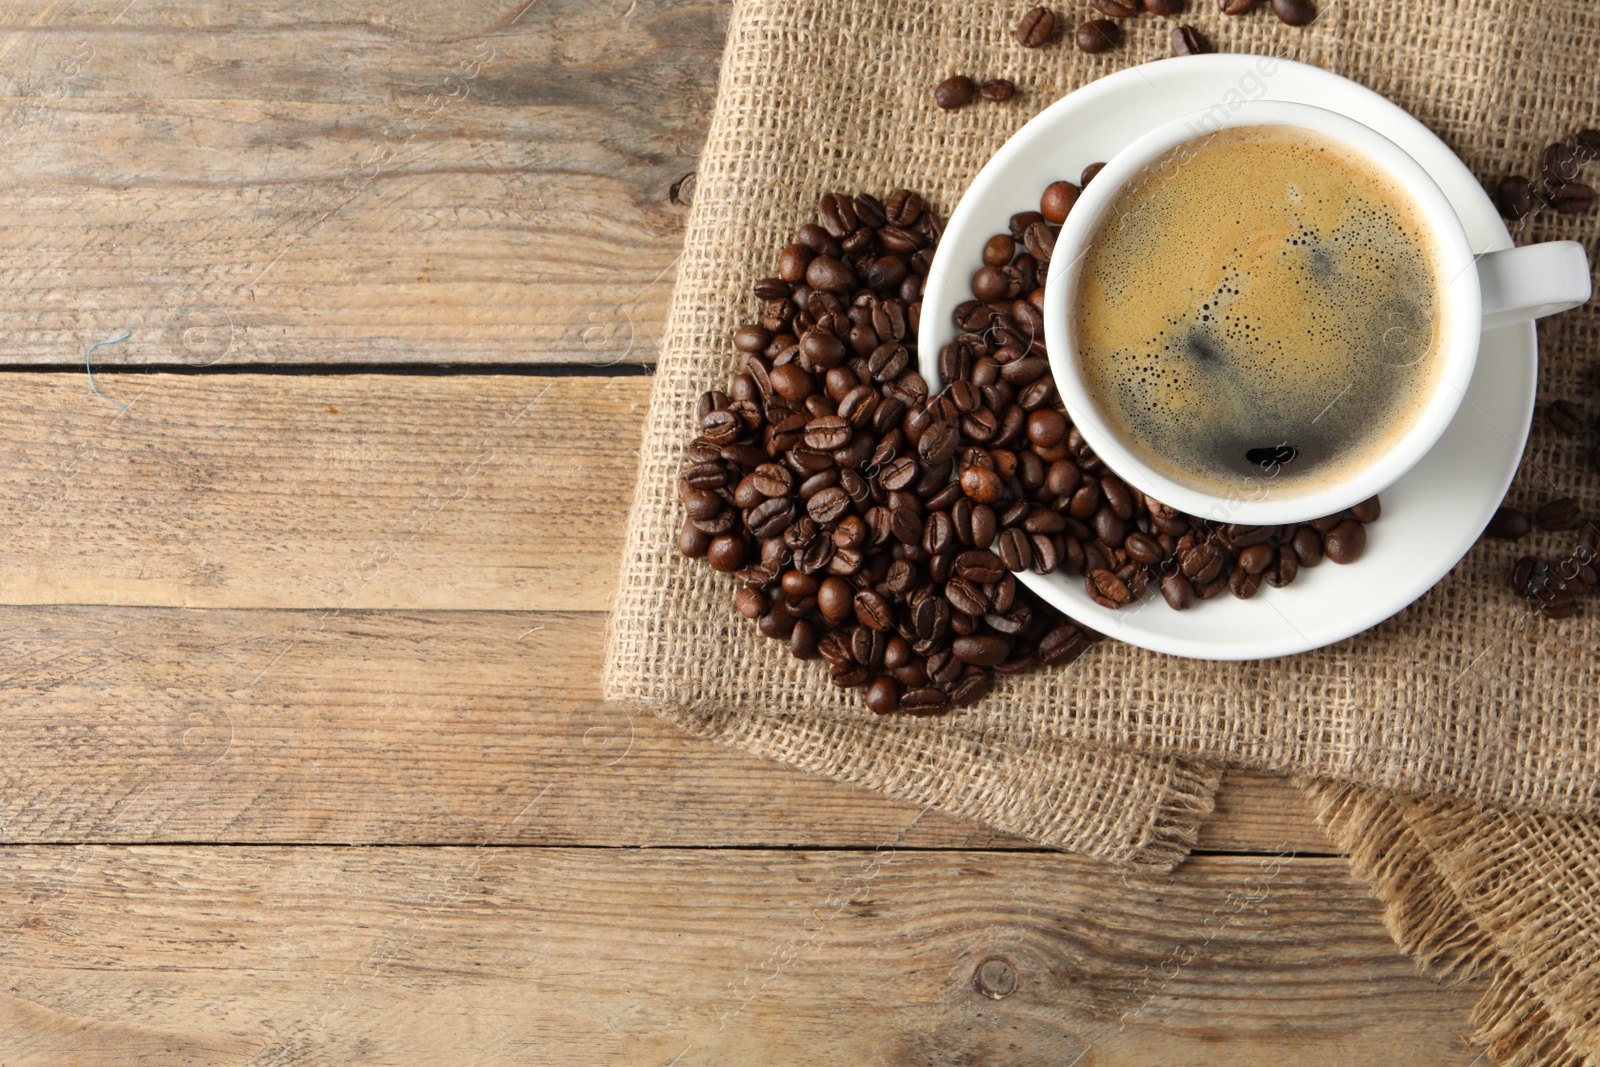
{"x": 1558, "y": 187}
{"x": 1038, "y": 496}
{"x": 1555, "y": 587}
{"x": 837, "y": 491}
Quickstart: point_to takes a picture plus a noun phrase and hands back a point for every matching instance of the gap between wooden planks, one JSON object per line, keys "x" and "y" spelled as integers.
{"x": 428, "y": 182}
{"x": 250, "y": 957}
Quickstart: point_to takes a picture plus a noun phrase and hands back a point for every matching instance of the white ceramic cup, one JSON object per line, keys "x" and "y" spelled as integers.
{"x": 1479, "y": 293}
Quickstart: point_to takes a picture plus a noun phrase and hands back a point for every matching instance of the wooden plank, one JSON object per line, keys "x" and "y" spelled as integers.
{"x": 428, "y": 182}
{"x": 141, "y": 725}
{"x": 481, "y": 492}
{"x": 596, "y": 956}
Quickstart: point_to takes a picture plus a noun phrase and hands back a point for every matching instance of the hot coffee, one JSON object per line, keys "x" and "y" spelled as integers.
{"x": 1260, "y": 313}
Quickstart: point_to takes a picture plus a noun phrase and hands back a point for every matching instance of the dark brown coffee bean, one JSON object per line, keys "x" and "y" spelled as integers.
{"x": 970, "y": 688}
{"x": 1036, "y": 27}
{"x": 1565, "y": 417}
{"x": 1186, "y": 41}
{"x": 1560, "y": 604}
{"x": 1177, "y": 592}
{"x": 770, "y": 517}
{"x": 1295, "y": 12}
{"x": 1058, "y": 197}
{"x": 849, "y": 676}
{"x": 1117, "y": 9}
{"x": 828, "y": 506}
{"x": 1108, "y": 528}
{"x": 1562, "y": 513}
{"x": 1588, "y": 141}
{"x": 1046, "y": 554}
{"x": 830, "y": 275}
{"x": 1345, "y": 542}
{"x": 828, "y": 432}
{"x": 866, "y": 646}
{"x": 982, "y": 650}
{"x": 1367, "y": 511}
{"x": 1243, "y": 584}
{"x": 727, "y": 553}
{"x": 1576, "y": 574}
{"x": 1164, "y": 7}
{"x": 1327, "y": 522}
{"x": 931, "y": 618}
{"x": 985, "y": 525}
{"x": 1097, "y": 35}
{"x": 982, "y": 486}
{"x": 1089, "y": 172}
{"x": 1558, "y": 164}
{"x": 1530, "y": 576}
{"x": 771, "y": 479}
{"x": 1285, "y": 567}
{"x": 883, "y": 695}
{"x": 1062, "y": 645}
{"x": 1107, "y": 590}
{"x": 939, "y": 442}
{"x": 924, "y": 700}
{"x": 792, "y": 263}
{"x": 1234, "y": 7}
{"x": 1508, "y": 524}
{"x": 873, "y": 611}
{"x": 903, "y": 208}
{"x": 1514, "y": 197}
{"x": 966, "y": 596}
{"x": 997, "y": 90}
{"x": 692, "y": 541}
{"x": 980, "y": 566}
{"x": 803, "y": 640}
{"x": 1041, "y": 243}
{"x": 1589, "y": 540}
{"x": 1202, "y": 563}
{"x": 1573, "y": 198}
{"x": 954, "y": 92}
{"x": 1015, "y": 549}
{"x": 1243, "y": 536}
{"x": 1142, "y": 549}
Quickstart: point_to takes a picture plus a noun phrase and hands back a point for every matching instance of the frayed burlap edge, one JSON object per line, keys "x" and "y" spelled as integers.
{"x": 1457, "y": 902}
{"x": 1123, "y": 808}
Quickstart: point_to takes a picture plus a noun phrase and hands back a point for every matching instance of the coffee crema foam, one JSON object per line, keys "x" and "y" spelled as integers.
{"x": 1257, "y": 294}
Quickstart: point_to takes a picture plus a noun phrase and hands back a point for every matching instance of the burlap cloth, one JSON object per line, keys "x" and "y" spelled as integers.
{"x": 1461, "y": 695}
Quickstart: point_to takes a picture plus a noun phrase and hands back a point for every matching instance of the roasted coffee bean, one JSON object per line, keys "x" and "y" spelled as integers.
{"x": 1234, "y": 7}
{"x": 1514, "y": 197}
{"x": 970, "y": 688}
{"x": 1576, "y": 574}
{"x": 1562, "y": 513}
{"x": 1177, "y": 592}
{"x": 1530, "y": 576}
{"x": 931, "y": 618}
{"x": 1142, "y": 549}
{"x": 1573, "y": 198}
{"x": 828, "y": 432}
{"x": 906, "y": 525}
{"x": 1565, "y": 417}
{"x": 1285, "y": 567}
{"x": 835, "y": 600}
{"x": 954, "y": 92}
{"x": 1558, "y": 164}
{"x": 1508, "y": 524}
{"x": 1589, "y": 141}
{"x": 1164, "y": 7}
{"x": 1046, "y": 554}
{"x": 883, "y": 695}
{"x": 834, "y": 646}
{"x": 1062, "y": 645}
{"x": 1108, "y": 528}
{"x": 1089, "y": 172}
{"x": 727, "y": 553}
{"x": 999, "y": 251}
{"x": 1295, "y": 12}
{"x": 828, "y": 274}
{"x": 1186, "y": 41}
{"x": 1041, "y": 243}
{"x": 924, "y": 700}
{"x": 849, "y": 677}
{"x": 980, "y": 566}
{"x": 1560, "y": 604}
{"x": 1345, "y": 542}
{"x": 981, "y": 650}
{"x": 1258, "y": 557}
{"x": 692, "y": 541}
{"x": 903, "y": 208}
{"x": 1367, "y": 511}
{"x": 1243, "y": 584}
{"x": 982, "y": 486}
{"x": 1036, "y": 27}
{"x": 966, "y": 596}
{"x": 1057, "y": 199}
{"x": 1107, "y": 590}
{"x": 866, "y": 645}
{"x": 828, "y": 506}
{"x": 1015, "y": 549}
{"x": 803, "y": 640}
{"x": 1589, "y": 539}
{"x": 770, "y": 517}
{"x": 939, "y": 442}
{"x": 1327, "y": 522}
{"x": 1117, "y": 9}
{"x": 1202, "y": 563}
{"x": 1097, "y": 35}
{"x": 997, "y": 90}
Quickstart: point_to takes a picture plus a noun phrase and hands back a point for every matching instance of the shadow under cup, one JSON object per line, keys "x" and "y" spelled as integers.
{"x": 1262, "y": 323}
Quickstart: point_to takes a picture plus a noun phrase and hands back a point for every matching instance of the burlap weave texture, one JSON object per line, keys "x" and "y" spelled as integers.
{"x": 1462, "y": 694}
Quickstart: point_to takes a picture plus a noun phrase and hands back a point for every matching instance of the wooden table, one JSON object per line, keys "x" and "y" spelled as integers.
{"x": 303, "y": 759}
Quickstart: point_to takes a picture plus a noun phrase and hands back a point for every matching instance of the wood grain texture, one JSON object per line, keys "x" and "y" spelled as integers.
{"x": 481, "y": 492}
{"x": 334, "y": 181}
{"x": 141, "y": 725}
{"x": 556, "y": 956}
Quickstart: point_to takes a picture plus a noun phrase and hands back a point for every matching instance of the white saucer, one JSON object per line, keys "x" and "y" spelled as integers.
{"x": 1431, "y": 517}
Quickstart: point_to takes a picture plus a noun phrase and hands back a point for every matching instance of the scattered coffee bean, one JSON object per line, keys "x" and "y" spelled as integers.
{"x": 1509, "y": 524}
{"x": 1345, "y": 542}
{"x": 1573, "y": 198}
{"x": 1530, "y": 576}
{"x": 1558, "y": 164}
{"x": 1057, "y": 201}
{"x": 1234, "y": 7}
{"x": 1036, "y": 27}
{"x": 1164, "y": 7}
{"x": 1177, "y": 591}
{"x": 997, "y": 90}
{"x": 1295, "y": 12}
{"x": 1089, "y": 172}
{"x": 1096, "y": 36}
{"x": 1562, "y": 513}
{"x": 1117, "y": 9}
{"x": 1514, "y": 197}
{"x": 954, "y": 92}
{"x": 1186, "y": 41}
{"x": 1565, "y": 417}
{"x": 1589, "y": 141}
{"x": 1107, "y": 590}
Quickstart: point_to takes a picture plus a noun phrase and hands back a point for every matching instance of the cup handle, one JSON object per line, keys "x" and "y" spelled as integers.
{"x": 1533, "y": 281}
